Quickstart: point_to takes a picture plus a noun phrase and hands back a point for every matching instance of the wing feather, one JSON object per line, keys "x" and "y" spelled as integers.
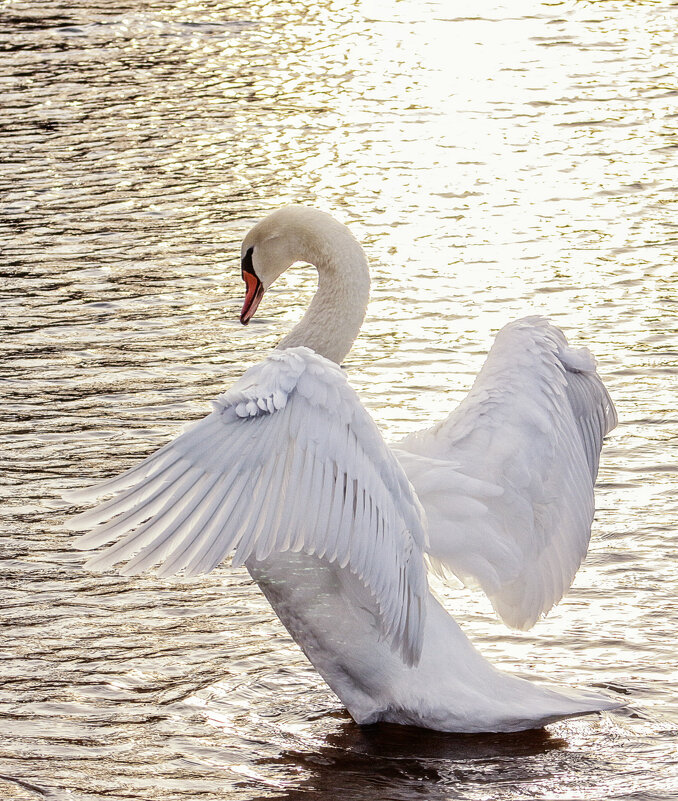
{"x": 507, "y": 480}
{"x": 187, "y": 555}
{"x": 288, "y": 460}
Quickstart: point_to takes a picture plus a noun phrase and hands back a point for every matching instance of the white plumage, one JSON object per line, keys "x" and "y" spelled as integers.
{"x": 529, "y": 434}
{"x": 290, "y": 474}
{"x": 289, "y": 460}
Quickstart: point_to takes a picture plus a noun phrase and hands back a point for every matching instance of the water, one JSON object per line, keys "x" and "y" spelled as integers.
{"x": 518, "y": 158}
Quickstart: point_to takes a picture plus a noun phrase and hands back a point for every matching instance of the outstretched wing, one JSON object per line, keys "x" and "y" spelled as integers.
{"x": 288, "y": 460}
{"x": 507, "y": 479}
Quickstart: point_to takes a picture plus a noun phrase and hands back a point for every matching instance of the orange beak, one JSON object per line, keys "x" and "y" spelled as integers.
{"x": 254, "y": 294}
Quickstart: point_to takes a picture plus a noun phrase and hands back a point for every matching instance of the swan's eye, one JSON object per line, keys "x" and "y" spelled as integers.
{"x": 246, "y": 264}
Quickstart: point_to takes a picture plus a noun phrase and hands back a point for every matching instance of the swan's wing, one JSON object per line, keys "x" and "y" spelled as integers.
{"x": 507, "y": 480}
{"x": 288, "y": 460}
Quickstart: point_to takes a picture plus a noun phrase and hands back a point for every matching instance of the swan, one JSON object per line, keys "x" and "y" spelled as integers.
{"x": 290, "y": 474}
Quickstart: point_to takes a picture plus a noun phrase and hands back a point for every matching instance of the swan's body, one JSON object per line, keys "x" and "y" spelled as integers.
{"x": 290, "y": 470}
{"x": 452, "y": 688}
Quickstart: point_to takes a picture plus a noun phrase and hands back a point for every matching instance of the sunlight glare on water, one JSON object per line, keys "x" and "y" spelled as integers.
{"x": 497, "y": 160}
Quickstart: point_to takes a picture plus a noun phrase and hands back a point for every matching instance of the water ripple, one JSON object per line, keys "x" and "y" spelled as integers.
{"x": 516, "y": 160}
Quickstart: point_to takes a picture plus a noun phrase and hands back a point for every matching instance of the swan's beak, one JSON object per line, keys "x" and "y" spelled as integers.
{"x": 254, "y": 294}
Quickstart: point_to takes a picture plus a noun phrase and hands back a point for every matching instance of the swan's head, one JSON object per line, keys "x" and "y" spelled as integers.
{"x": 288, "y": 235}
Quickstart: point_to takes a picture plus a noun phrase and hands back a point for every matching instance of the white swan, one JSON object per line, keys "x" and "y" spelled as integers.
{"x": 291, "y": 472}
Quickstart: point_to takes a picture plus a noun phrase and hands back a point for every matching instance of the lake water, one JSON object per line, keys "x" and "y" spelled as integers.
{"x": 496, "y": 159}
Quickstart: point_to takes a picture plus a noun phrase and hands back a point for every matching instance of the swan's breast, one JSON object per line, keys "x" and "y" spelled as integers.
{"x": 333, "y": 618}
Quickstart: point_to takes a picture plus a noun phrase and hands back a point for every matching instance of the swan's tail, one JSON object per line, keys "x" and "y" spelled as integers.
{"x": 455, "y": 689}
{"x": 547, "y": 704}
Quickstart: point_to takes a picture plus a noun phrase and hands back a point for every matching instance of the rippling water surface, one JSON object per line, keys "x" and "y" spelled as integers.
{"x": 514, "y": 158}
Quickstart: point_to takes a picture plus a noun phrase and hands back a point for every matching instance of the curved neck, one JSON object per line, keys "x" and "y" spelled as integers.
{"x": 337, "y": 311}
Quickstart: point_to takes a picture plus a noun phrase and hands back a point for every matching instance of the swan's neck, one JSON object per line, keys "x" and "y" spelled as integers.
{"x": 337, "y": 311}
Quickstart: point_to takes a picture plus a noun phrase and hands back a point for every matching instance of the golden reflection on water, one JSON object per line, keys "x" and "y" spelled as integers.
{"x": 517, "y": 160}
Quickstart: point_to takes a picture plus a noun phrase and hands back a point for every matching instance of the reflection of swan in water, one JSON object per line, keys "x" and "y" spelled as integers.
{"x": 291, "y": 472}
{"x": 360, "y": 763}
